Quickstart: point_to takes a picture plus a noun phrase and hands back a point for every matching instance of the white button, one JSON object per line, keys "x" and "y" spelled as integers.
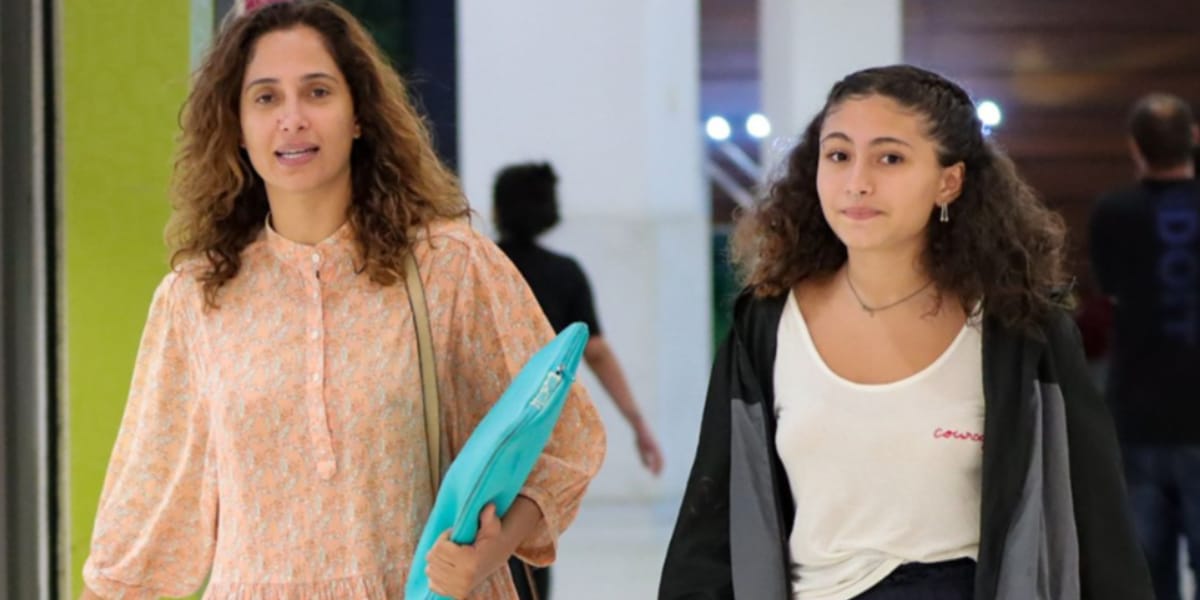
{"x": 316, "y": 257}
{"x": 326, "y": 469}
{"x": 316, "y": 378}
{"x": 316, "y": 334}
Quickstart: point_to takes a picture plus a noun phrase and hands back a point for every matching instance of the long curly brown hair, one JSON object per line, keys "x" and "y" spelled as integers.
{"x": 398, "y": 182}
{"x": 1002, "y": 246}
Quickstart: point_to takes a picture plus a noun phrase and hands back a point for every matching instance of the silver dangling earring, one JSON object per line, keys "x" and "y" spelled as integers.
{"x": 945, "y": 216}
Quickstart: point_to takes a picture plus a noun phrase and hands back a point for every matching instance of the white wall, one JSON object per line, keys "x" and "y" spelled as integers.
{"x": 607, "y": 92}
{"x": 806, "y": 47}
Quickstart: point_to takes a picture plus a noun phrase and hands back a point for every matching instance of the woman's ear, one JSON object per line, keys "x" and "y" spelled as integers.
{"x": 952, "y": 182}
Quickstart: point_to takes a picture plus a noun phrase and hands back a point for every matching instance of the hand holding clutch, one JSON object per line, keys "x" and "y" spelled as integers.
{"x": 490, "y": 471}
{"x": 455, "y": 570}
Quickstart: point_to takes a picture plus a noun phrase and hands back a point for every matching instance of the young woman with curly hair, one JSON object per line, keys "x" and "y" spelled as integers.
{"x": 274, "y": 439}
{"x": 902, "y": 409}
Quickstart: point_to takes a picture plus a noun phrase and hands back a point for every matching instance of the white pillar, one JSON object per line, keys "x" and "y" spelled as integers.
{"x": 806, "y": 47}
{"x": 608, "y": 93}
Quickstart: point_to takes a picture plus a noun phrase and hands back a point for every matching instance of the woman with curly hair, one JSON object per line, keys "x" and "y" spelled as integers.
{"x": 274, "y": 438}
{"x": 902, "y": 409}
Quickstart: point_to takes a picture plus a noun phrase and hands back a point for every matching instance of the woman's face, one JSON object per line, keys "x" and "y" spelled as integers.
{"x": 297, "y": 115}
{"x": 878, "y": 175}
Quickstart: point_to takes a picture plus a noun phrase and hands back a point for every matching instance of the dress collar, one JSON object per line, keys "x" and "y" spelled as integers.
{"x": 337, "y": 251}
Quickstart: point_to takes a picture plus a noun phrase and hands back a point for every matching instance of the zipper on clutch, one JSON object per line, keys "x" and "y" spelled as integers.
{"x": 553, "y": 380}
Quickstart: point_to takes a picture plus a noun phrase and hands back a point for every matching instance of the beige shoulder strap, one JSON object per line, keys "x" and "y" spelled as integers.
{"x": 429, "y": 389}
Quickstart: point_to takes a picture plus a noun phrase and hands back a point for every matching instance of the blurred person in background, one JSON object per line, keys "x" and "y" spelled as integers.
{"x": 525, "y": 206}
{"x": 1145, "y": 250}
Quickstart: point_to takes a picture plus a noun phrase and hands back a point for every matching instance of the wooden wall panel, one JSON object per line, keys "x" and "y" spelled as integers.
{"x": 1065, "y": 73}
{"x": 1060, "y": 15}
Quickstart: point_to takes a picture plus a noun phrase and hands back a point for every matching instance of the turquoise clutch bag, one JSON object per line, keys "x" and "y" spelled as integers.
{"x": 497, "y": 458}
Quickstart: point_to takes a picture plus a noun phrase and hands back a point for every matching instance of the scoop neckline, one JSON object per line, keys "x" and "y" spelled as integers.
{"x": 811, "y": 345}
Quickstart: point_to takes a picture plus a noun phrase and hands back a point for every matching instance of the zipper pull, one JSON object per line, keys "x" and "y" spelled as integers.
{"x": 553, "y": 380}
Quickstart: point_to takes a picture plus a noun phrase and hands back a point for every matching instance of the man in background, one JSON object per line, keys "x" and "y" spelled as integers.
{"x": 1145, "y": 250}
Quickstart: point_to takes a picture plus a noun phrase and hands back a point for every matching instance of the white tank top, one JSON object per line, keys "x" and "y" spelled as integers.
{"x": 881, "y": 474}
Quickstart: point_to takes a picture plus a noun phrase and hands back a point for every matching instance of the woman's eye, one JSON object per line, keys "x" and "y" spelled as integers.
{"x": 320, "y": 92}
{"x": 836, "y": 156}
{"x": 891, "y": 159}
{"x": 263, "y": 99}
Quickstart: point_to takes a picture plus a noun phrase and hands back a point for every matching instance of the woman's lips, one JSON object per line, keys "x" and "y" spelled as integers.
{"x": 296, "y": 157}
{"x": 860, "y": 213}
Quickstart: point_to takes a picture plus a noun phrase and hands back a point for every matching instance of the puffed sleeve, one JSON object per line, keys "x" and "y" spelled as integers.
{"x": 496, "y": 327}
{"x": 155, "y": 526}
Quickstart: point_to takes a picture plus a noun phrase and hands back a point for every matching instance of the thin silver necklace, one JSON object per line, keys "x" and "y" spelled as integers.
{"x": 871, "y": 310}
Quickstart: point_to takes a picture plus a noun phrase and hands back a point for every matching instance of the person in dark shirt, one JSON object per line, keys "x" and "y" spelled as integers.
{"x": 525, "y": 205}
{"x": 1145, "y": 250}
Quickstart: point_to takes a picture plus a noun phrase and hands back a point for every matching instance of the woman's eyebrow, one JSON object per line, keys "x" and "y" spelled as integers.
{"x": 875, "y": 142}
{"x": 274, "y": 80}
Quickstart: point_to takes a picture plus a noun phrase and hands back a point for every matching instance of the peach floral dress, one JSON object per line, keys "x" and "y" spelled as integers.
{"x": 276, "y": 444}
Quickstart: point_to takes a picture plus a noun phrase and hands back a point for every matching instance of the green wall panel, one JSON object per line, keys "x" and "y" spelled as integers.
{"x": 124, "y": 75}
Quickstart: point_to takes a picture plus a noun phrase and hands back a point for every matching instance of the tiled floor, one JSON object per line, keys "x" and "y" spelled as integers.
{"x": 613, "y": 551}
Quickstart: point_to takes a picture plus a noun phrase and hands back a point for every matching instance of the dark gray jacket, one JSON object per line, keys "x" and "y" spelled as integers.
{"x": 1055, "y": 520}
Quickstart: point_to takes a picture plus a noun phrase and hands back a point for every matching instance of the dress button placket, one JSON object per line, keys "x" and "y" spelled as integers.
{"x": 317, "y": 411}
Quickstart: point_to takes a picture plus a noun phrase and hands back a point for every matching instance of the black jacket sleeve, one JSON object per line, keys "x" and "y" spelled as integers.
{"x": 697, "y": 564}
{"x": 1111, "y": 563}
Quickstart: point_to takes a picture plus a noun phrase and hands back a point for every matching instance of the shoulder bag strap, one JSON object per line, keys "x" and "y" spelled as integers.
{"x": 429, "y": 390}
